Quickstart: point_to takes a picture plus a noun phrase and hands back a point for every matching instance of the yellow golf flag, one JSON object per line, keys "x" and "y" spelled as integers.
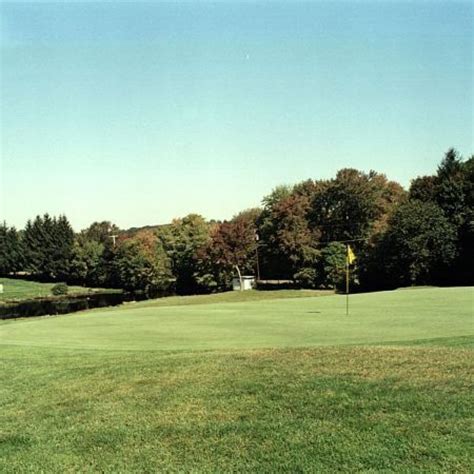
{"x": 350, "y": 255}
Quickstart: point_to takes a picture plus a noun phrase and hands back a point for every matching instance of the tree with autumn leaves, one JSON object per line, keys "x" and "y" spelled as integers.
{"x": 140, "y": 263}
{"x": 297, "y": 224}
{"x": 229, "y": 251}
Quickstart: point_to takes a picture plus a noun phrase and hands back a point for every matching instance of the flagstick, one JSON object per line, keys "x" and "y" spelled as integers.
{"x": 347, "y": 281}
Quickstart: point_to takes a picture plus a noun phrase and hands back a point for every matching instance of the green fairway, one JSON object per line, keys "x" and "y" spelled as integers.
{"x": 405, "y": 315}
{"x": 240, "y": 382}
{"x": 23, "y": 289}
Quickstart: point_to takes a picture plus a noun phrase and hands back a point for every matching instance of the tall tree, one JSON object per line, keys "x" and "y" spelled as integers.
{"x": 423, "y": 189}
{"x": 101, "y": 232}
{"x": 87, "y": 263}
{"x": 11, "y": 250}
{"x": 181, "y": 241}
{"x": 418, "y": 247}
{"x": 62, "y": 250}
{"x": 465, "y": 267}
{"x": 333, "y": 263}
{"x": 48, "y": 244}
{"x": 288, "y": 236}
{"x": 33, "y": 239}
{"x": 230, "y": 251}
{"x": 452, "y": 189}
{"x": 288, "y": 244}
{"x": 141, "y": 264}
{"x": 354, "y": 205}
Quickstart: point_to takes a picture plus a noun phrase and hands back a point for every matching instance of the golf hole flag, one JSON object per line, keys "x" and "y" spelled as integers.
{"x": 350, "y": 255}
{"x": 350, "y": 258}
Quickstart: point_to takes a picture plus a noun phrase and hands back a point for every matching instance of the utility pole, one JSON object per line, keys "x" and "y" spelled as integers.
{"x": 347, "y": 267}
{"x": 113, "y": 237}
{"x": 257, "y": 238}
{"x": 347, "y": 280}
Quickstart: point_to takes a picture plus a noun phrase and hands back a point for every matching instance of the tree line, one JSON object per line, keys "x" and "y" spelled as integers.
{"x": 415, "y": 237}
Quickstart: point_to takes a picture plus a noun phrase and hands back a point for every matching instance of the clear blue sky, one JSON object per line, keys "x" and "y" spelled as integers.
{"x": 141, "y": 112}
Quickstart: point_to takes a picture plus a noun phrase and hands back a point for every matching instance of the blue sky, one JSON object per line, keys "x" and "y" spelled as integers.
{"x": 141, "y": 112}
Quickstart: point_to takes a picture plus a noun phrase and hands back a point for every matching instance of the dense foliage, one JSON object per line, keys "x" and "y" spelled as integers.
{"x": 47, "y": 246}
{"x": 181, "y": 241}
{"x": 11, "y": 250}
{"x": 423, "y": 236}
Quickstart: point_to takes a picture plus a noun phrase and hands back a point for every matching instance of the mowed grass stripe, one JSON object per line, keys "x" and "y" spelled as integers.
{"x": 375, "y": 318}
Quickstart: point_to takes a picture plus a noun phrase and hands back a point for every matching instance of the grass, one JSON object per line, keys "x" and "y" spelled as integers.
{"x": 268, "y": 323}
{"x": 265, "y": 385}
{"x": 16, "y": 290}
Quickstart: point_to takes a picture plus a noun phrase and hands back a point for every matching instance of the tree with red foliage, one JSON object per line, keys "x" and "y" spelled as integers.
{"x": 232, "y": 247}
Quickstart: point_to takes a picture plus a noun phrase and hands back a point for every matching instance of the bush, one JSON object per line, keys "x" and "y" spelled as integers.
{"x": 306, "y": 277}
{"x": 60, "y": 289}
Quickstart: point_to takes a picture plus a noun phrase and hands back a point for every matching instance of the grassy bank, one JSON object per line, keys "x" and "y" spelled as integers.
{"x": 16, "y": 290}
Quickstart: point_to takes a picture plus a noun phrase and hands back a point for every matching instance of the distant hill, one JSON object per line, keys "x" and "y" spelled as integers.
{"x": 134, "y": 230}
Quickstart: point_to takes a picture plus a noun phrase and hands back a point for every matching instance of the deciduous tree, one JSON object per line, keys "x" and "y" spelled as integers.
{"x": 181, "y": 241}
{"x": 418, "y": 247}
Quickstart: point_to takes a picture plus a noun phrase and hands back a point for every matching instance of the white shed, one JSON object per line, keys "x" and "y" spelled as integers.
{"x": 248, "y": 282}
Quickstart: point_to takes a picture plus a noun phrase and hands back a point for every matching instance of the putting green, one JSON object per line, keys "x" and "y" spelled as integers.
{"x": 375, "y": 318}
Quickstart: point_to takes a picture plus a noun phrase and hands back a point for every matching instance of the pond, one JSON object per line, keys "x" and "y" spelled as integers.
{"x": 70, "y": 304}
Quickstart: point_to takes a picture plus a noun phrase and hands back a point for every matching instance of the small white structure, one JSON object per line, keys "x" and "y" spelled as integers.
{"x": 1, "y": 288}
{"x": 248, "y": 282}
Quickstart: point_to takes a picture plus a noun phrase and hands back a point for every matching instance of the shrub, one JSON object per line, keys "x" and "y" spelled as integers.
{"x": 306, "y": 277}
{"x": 60, "y": 289}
